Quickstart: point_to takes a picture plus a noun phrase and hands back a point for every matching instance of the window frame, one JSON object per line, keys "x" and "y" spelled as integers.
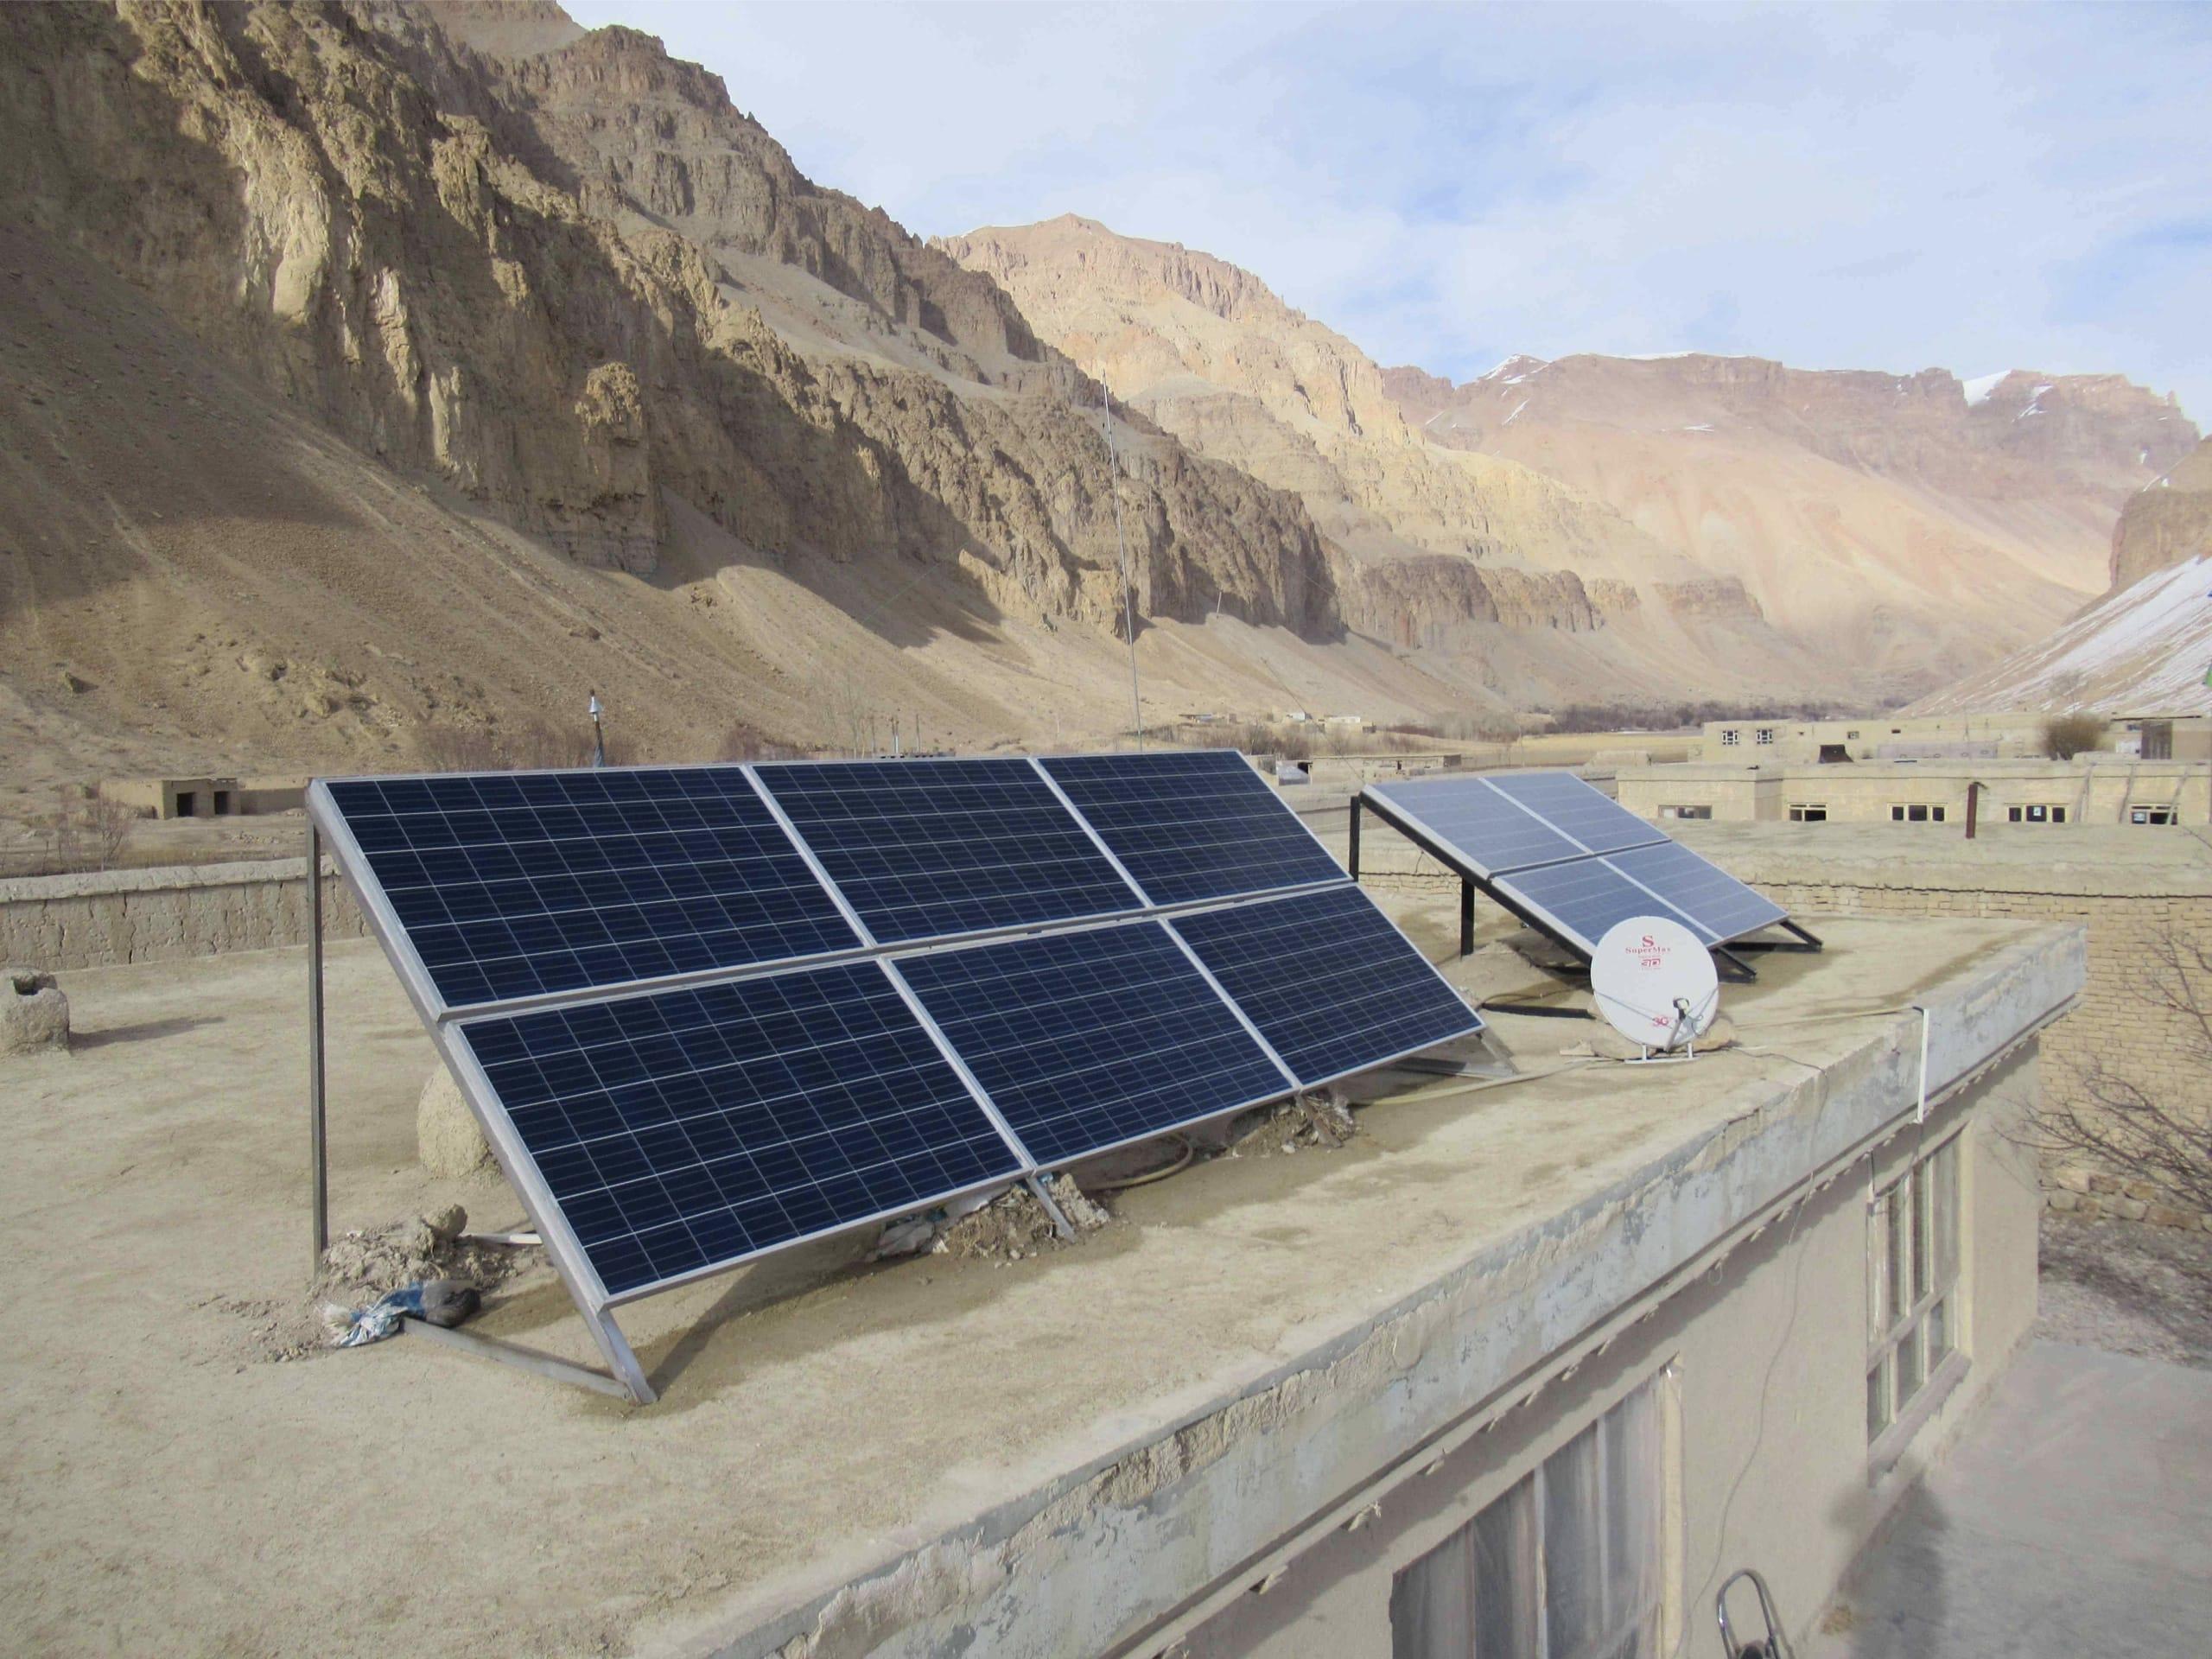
{"x": 1732, "y": 737}
{"x": 1916, "y": 1231}
{"x": 1521, "y": 1509}
{"x": 1809, "y": 812}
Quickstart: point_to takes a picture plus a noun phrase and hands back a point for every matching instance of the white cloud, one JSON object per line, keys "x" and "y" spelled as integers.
{"x": 1971, "y": 188}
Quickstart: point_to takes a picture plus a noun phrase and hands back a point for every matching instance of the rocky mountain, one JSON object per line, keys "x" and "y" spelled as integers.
{"x": 463, "y": 324}
{"x": 1921, "y": 524}
{"x": 2145, "y": 647}
{"x": 1451, "y": 550}
{"x": 2168, "y": 520}
{"x": 1895, "y": 530}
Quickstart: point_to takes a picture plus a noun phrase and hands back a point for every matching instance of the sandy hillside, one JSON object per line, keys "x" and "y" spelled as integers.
{"x": 197, "y": 575}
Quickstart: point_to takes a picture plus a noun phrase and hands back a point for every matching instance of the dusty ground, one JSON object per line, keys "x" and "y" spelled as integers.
{"x": 2127, "y": 1288}
{"x": 152, "y": 1211}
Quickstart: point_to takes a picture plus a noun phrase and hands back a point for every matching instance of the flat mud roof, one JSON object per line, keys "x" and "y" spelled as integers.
{"x": 169, "y": 1485}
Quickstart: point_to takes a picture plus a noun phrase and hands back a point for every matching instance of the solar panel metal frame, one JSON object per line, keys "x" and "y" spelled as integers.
{"x": 1496, "y": 881}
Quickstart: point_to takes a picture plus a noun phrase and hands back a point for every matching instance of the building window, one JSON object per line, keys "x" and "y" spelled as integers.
{"x": 1912, "y": 1281}
{"x": 1730, "y": 738}
{"x": 1853, "y": 733}
{"x": 1566, "y": 1565}
{"x": 2035, "y": 814}
{"x": 2150, "y": 815}
{"x": 1686, "y": 810}
{"x": 1916, "y": 812}
{"x": 1808, "y": 812}
{"x": 1764, "y": 734}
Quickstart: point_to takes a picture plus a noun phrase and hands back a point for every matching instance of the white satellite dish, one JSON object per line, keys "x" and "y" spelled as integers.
{"x": 1654, "y": 983}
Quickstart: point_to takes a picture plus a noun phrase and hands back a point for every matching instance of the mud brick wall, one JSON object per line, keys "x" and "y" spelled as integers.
{"x": 104, "y": 919}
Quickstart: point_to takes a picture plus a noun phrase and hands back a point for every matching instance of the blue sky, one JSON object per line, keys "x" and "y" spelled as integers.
{"x": 1974, "y": 187}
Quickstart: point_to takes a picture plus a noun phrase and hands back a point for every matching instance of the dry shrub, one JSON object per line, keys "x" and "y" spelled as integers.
{"x": 457, "y": 748}
{"x": 2065, "y": 736}
{"x": 85, "y": 831}
{"x": 746, "y": 741}
{"x": 535, "y": 746}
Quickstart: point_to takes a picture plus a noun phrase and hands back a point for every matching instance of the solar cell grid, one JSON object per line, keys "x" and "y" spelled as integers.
{"x": 1583, "y": 899}
{"x": 1703, "y": 891}
{"x": 1086, "y": 1039}
{"x": 1486, "y": 827}
{"x": 1192, "y": 825}
{"x": 1331, "y": 985}
{"x": 692, "y": 1129}
{"x": 930, "y": 849}
{"x": 1574, "y": 808}
{"x": 512, "y": 884}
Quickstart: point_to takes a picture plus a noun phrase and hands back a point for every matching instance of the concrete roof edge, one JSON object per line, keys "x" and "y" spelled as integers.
{"x": 1582, "y": 1263}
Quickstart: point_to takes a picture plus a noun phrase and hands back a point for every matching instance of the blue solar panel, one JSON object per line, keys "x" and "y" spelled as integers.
{"x": 1582, "y": 899}
{"x": 1084, "y": 1040}
{"x": 925, "y": 849}
{"x": 517, "y": 884}
{"x": 1717, "y": 900}
{"x": 1192, "y": 825}
{"x": 1331, "y": 984}
{"x": 1574, "y": 808}
{"x": 687, "y": 1130}
{"x": 1485, "y": 827}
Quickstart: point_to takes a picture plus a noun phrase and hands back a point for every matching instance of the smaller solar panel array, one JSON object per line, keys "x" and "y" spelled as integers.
{"x": 855, "y": 1035}
{"x": 1561, "y": 853}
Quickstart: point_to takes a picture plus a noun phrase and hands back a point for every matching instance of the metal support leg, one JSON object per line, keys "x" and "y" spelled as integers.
{"x": 1353, "y": 856}
{"x": 614, "y": 1347}
{"x": 1466, "y": 917}
{"x": 1044, "y": 1196}
{"x": 318, "y": 1150}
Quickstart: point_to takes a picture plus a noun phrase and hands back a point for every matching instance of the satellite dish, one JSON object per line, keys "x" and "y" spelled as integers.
{"x": 1654, "y": 983}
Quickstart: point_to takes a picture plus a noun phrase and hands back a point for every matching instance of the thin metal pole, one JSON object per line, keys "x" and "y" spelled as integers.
{"x": 1121, "y": 562}
{"x": 1466, "y": 917}
{"x": 318, "y": 1150}
{"x": 1354, "y": 861}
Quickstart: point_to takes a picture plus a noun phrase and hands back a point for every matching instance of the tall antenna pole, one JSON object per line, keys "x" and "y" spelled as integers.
{"x": 1122, "y": 563}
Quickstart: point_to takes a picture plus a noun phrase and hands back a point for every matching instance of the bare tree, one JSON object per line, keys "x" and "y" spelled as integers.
{"x": 105, "y": 827}
{"x": 2128, "y": 1127}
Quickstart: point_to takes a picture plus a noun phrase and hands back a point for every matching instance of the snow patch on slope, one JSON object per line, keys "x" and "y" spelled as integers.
{"x": 1981, "y": 385}
{"x": 2145, "y": 649}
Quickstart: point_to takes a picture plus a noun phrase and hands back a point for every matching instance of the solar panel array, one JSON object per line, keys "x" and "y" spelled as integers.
{"x": 1561, "y": 853}
{"x": 727, "y": 1008}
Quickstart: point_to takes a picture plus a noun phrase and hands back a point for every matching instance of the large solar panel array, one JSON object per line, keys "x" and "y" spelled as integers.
{"x": 721, "y": 1010}
{"x": 1561, "y": 853}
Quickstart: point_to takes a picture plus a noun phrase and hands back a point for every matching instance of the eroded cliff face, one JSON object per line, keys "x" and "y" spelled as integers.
{"x": 1433, "y": 537}
{"x": 530, "y": 271}
{"x": 1898, "y": 528}
{"x": 2167, "y": 521}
